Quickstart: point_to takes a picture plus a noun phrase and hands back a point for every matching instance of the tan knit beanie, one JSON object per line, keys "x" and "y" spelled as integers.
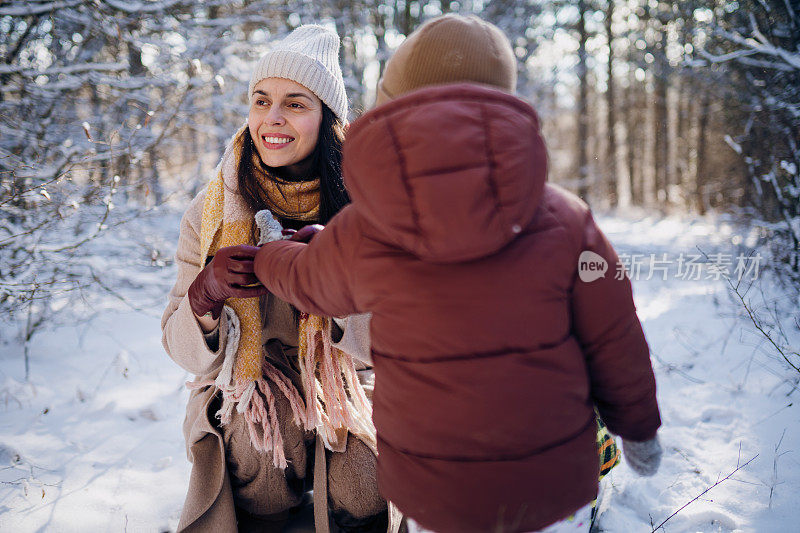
{"x": 449, "y": 49}
{"x": 310, "y": 56}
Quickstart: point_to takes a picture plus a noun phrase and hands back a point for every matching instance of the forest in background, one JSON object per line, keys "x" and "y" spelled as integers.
{"x": 109, "y": 108}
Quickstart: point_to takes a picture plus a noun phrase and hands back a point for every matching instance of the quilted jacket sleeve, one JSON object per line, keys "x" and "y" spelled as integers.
{"x": 605, "y": 322}
{"x": 316, "y": 278}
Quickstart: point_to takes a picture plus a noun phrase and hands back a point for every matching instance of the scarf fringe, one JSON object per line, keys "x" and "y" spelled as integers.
{"x": 335, "y": 399}
{"x": 225, "y": 377}
{"x": 324, "y": 372}
{"x": 255, "y": 400}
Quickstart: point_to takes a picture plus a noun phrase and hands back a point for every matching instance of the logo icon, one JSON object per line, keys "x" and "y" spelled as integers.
{"x": 591, "y": 266}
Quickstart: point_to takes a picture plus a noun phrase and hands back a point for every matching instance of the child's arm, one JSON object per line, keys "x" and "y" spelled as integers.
{"x": 316, "y": 277}
{"x": 605, "y": 322}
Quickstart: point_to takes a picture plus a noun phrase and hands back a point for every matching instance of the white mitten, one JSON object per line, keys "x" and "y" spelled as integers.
{"x": 643, "y": 457}
{"x": 270, "y": 229}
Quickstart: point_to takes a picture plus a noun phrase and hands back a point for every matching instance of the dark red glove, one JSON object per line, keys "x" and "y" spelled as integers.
{"x": 224, "y": 278}
{"x": 304, "y": 234}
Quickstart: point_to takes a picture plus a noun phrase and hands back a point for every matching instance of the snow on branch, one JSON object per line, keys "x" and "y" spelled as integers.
{"x": 770, "y": 65}
{"x": 726, "y": 57}
{"x": 32, "y": 9}
{"x": 758, "y": 44}
{"x": 143, "y": 7}
{"x": 70, "y": 69}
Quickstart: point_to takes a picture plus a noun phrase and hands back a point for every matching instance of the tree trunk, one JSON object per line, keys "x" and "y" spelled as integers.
{"x": 611, "y": 116}
{"x": 661, "y": 133}
{"x": 583, "y": 119}
{"x": 635, "y": 112}
{"x": 701, "y": 169}
{"x": 686, "y": 92}
{"x": 379, "y": 29}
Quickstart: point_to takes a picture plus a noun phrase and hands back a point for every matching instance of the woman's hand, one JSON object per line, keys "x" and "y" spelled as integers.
{"x": 304, "y": 234}
{"x": 226, "y": 276}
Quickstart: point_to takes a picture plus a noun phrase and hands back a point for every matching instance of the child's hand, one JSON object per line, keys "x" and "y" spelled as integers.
{"x": 305, "y": 234}
{"x": 643, "y": 457}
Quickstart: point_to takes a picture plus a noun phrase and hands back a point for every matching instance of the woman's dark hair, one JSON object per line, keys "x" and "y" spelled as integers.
{"x": 326, "y": 163}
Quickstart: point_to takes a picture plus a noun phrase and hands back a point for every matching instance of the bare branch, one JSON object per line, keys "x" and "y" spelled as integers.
{"x": 718, "y": 482}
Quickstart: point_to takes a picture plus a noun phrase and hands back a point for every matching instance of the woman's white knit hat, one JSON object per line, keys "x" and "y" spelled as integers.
{"x": 310, "y": 56}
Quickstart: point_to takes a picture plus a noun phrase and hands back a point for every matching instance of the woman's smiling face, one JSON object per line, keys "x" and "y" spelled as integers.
{"x": 284, "y": 121}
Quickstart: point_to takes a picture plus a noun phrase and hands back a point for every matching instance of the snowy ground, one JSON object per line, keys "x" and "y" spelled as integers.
{"x": 93, "y": 442}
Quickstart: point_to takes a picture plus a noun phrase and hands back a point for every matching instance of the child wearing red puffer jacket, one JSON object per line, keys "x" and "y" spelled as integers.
{"x": 490, "y": 352}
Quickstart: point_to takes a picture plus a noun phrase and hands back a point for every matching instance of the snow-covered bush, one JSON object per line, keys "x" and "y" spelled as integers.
{"x": 758, "y": 43}
{"x": 63, "y": 243}
{"x": 91, "y": 96}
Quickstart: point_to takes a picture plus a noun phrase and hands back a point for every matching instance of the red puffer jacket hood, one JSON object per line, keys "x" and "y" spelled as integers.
{"x": 453, "y": 197}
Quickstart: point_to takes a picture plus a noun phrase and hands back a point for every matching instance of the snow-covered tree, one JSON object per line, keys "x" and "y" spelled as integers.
{"x": 758, "y": 44}
{"x": 102, "y": 104}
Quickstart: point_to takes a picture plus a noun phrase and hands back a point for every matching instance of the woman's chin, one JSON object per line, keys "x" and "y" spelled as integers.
{"x": 277, "y": 162}
{"x": 294, "y": 165}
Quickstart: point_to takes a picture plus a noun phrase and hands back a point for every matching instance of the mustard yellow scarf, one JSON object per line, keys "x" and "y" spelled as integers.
{"x": 334, "y": 402}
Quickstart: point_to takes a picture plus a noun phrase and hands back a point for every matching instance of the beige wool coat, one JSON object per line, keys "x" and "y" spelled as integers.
{"x": 209, "y": 504}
